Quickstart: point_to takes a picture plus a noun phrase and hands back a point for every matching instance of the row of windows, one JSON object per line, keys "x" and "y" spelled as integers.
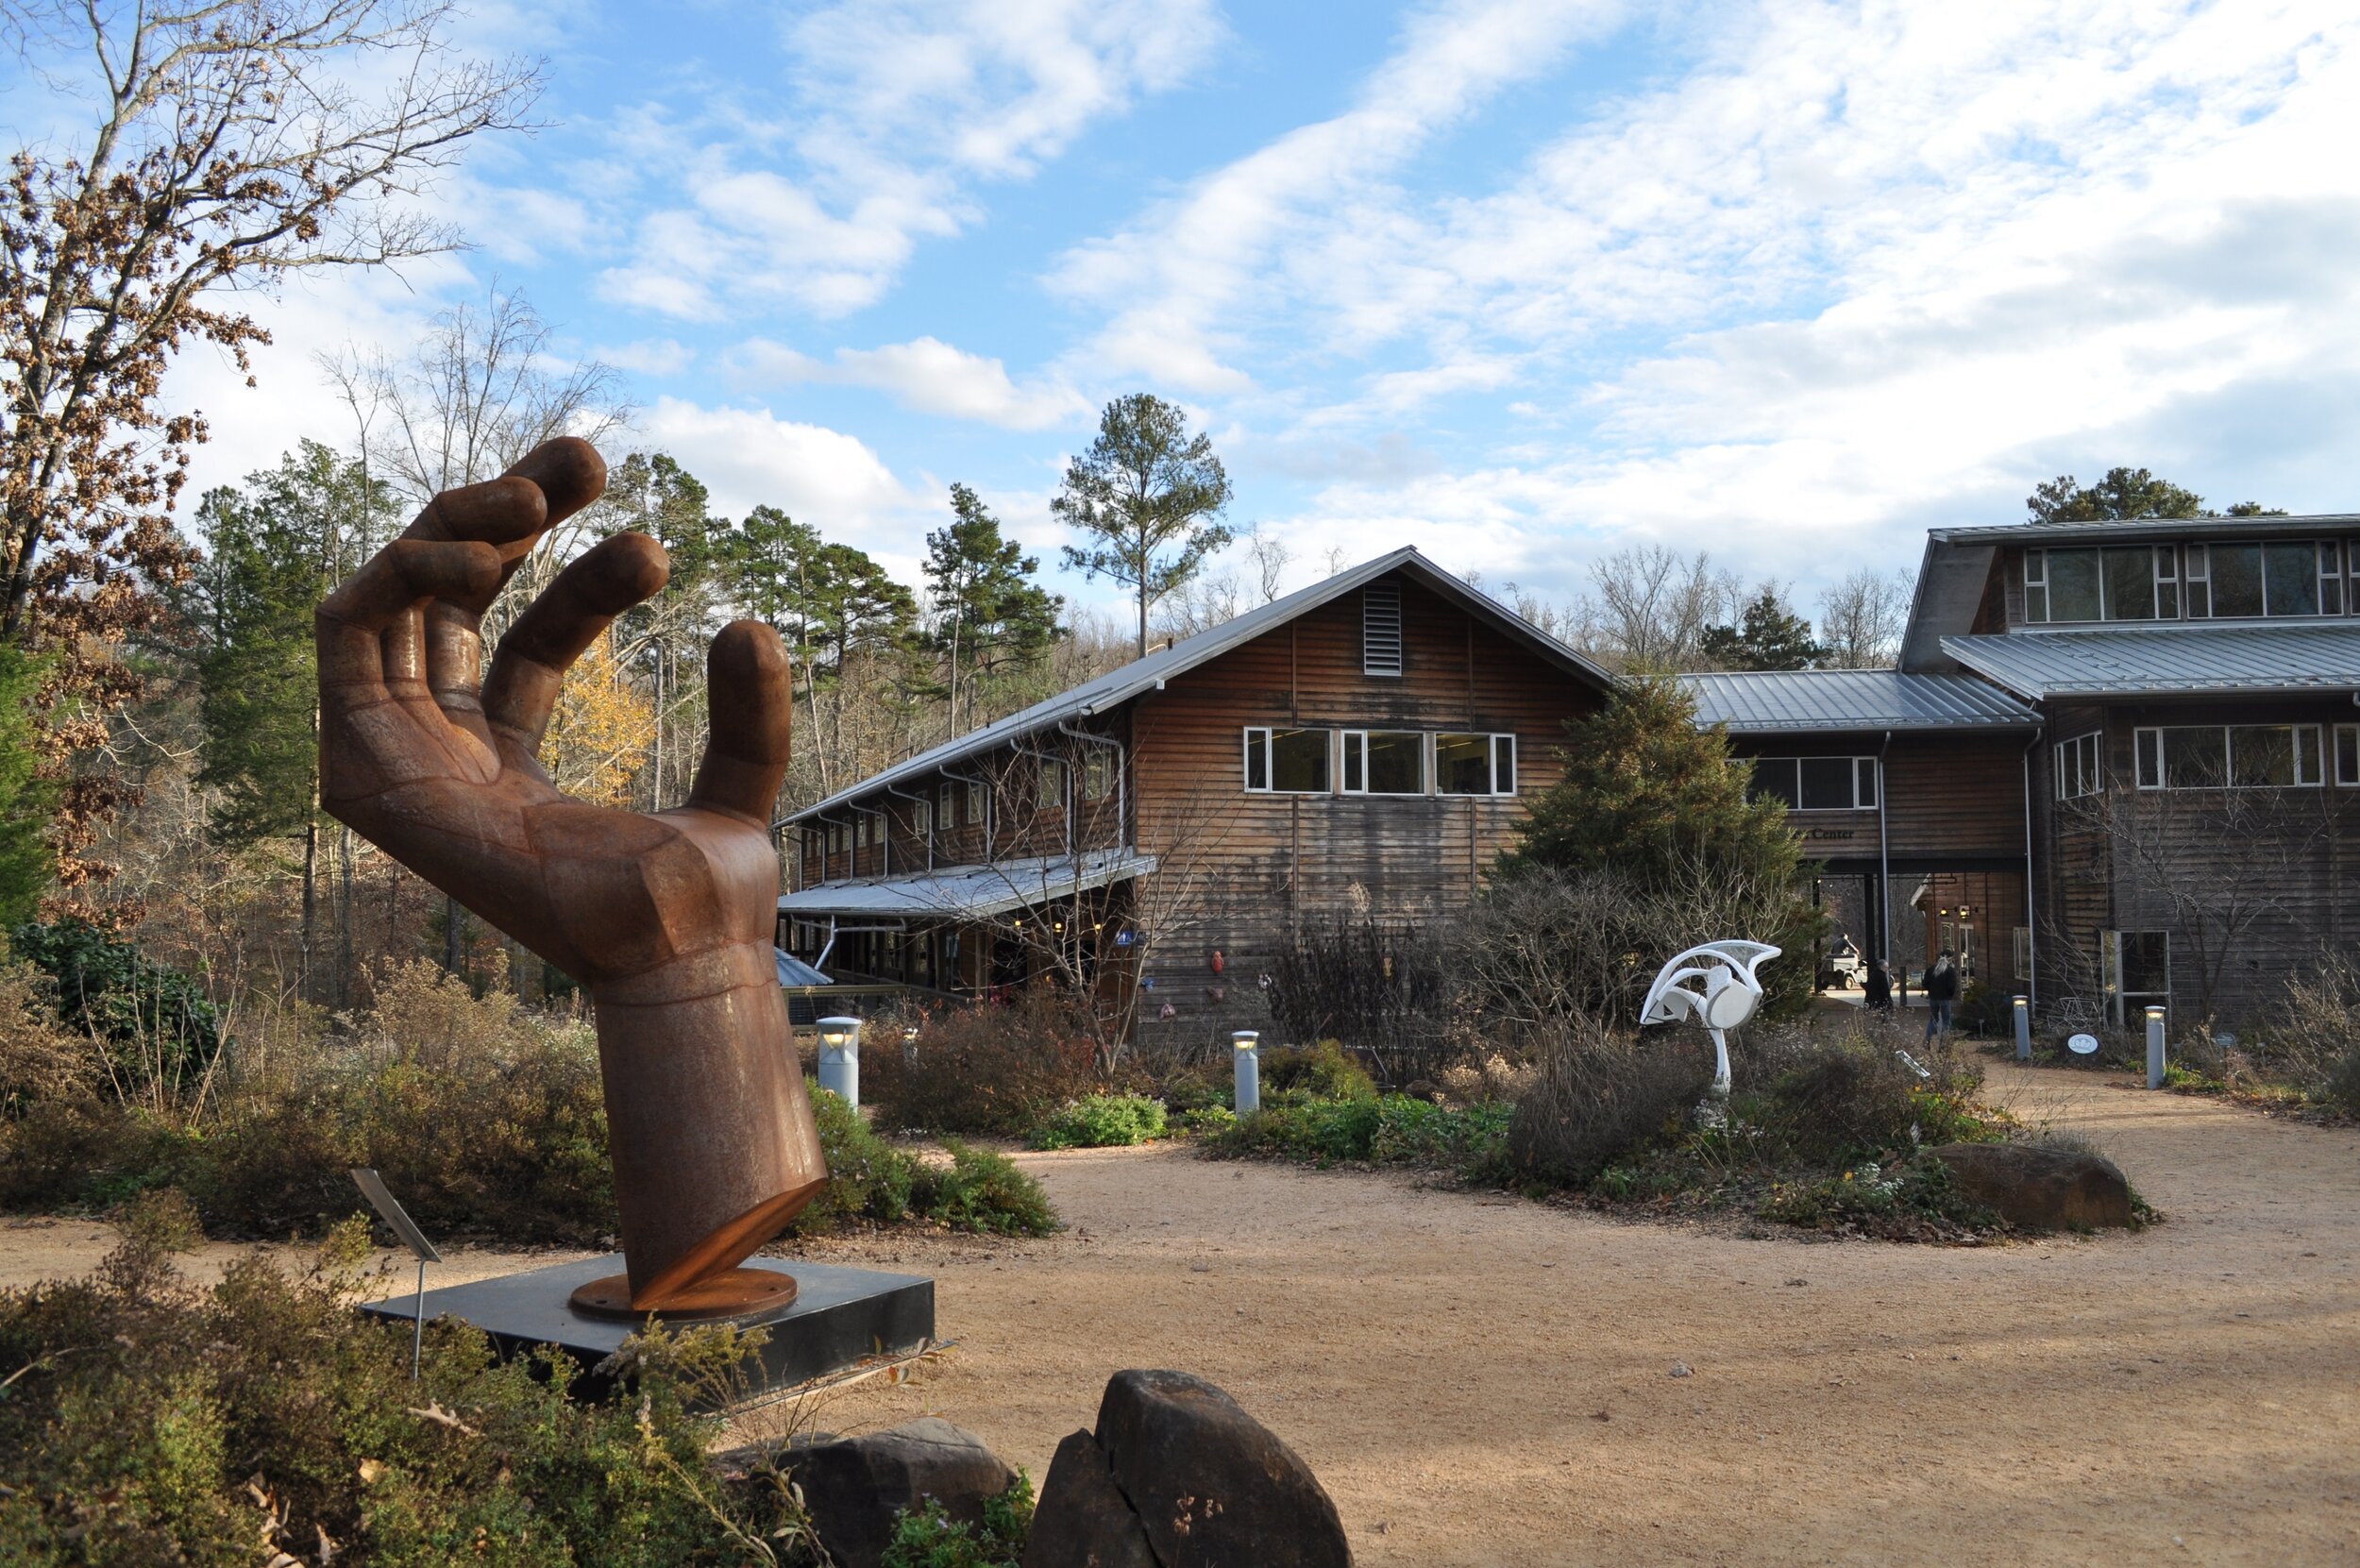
{"x": 1816, "y": 784}
{"x": 963, "y": 803}
{"x": 2134, "y": 582}
{"x": 2214, "y": 756}
{"x": 1378, "y": 762}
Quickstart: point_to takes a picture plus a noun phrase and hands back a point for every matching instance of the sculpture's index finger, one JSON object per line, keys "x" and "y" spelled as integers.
{"x": 568, "y": 471}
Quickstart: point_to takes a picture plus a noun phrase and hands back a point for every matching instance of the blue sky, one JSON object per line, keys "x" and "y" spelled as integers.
{"x": 1518, "y": 283}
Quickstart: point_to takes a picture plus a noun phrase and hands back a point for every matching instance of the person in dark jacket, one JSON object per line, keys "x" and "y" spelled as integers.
{"x": 1877, "y": 985}
{"x": 1942, "y": 989}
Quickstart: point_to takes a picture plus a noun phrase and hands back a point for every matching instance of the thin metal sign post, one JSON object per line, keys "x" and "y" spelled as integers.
{"x": 372, "y": 1187}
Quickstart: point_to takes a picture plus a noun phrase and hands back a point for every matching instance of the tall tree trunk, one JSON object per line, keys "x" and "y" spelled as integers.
{"x": 344, "y": 919}
{"x": 452, "y": 914}
{"x": 310, "y": 901}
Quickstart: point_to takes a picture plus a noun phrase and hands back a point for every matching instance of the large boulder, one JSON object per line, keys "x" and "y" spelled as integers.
{"x": 1205, "y": 1484}
{"x": 1083, "y": 1520}
{"x": 852, "y": 1487}
{"x": 2039, "y": 1188}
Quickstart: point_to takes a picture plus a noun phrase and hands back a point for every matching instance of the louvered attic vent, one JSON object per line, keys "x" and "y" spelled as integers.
{"x": 1380, "y": 629}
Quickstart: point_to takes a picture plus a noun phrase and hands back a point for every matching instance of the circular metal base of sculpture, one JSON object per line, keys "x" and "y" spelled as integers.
{"x": 736, "y": 1293}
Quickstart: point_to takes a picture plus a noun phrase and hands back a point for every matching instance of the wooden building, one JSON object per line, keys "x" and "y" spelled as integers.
{"x": 1362, "y": 747}
{"x": 2119, "y": 764}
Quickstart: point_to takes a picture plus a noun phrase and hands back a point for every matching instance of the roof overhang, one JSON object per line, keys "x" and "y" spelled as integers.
{"x": 1096, "y": 698}
{"x": 2165, "y": 664}
{"x": 968, "y": 892}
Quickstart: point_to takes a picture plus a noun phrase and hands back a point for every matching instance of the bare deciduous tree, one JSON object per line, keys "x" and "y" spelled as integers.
{"x": 1861, "y": 619}
{"x": 1651, "y": 605}
{"x": 225, "y": 151}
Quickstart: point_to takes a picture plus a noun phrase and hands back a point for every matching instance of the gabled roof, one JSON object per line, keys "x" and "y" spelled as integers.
{"x": 2158, "y": 661}
{"x": 1111, "y": 690}
{"x": 1800, "y": 701}
{"x": 969, "y": 892}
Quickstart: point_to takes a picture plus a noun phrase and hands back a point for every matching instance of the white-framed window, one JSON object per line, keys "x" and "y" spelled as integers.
{"x": 2348, "y": 756}
{"x": 1380, "y": 629}
{"x": 1288, "y": 761}
{"x": 1474, "y": 764}
{"x": 2278, "y": 579}
{"x": 1383, "y": 762}
{"x": 923, "y": 819}
{"x": 1098, "y": 774}
{"x": 1049, "y": 784}
{"x": 2198, "y": 577}
{"x": 2232, "y": 756}
{"x": 2077, "y": 772}
{"x": 946, "y": 804}
{"x": 860, "y": 829}
{"x": 2104, "y": 583}
{"x": 974, "y": 803}
{"x": 1816, "y": 784}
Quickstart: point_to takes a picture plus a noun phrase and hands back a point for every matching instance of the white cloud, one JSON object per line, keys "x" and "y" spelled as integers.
{"x": 925, "y": 374}
{"x": 751, "y": 457}
{"x": 1182, "y": 279}
{"x": 894, "y": 116}
{"x": 662, "y": 357}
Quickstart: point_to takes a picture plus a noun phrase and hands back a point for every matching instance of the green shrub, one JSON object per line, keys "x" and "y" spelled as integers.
{"x": 867, "y": 1178}
{"x": 1101, "y": 1122}
{"x": 1918, "y": 1187}
{"x": 929, "y": 1538}
{"x": 993, "y": 1071}
{"x": 981, "y": 1190}
{"x": 155, "y": 1022}
{"x": 1322, "y": 1071}
{"x": 1390, "y": 1129}
{"x": 1208, "y": 1119}
{"x": 154, "y": 1420}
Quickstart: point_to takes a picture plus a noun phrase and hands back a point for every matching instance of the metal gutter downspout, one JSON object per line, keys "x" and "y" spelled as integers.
{"x": 1885, "y": 861}
{"x": 2031, "y": 909}
{"x": 922, "y": 800}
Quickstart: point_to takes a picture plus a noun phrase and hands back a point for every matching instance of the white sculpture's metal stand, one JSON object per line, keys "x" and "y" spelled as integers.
{"x": 1724, "y": 994}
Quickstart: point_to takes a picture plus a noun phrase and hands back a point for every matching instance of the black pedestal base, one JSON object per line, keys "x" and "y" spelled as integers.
{"x": 839, "y": 1317}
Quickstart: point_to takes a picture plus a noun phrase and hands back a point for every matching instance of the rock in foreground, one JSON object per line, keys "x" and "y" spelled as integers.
{"x": 853, "y": 1487}
{"x": 2039, "y": 1188}
{"x": 1179, "y": 1476}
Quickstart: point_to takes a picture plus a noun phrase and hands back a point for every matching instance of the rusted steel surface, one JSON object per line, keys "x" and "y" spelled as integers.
{"x": 666, "y": 918}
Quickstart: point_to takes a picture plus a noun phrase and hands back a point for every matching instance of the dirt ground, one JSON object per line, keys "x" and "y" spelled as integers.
{"x": 1481, "y": 1380}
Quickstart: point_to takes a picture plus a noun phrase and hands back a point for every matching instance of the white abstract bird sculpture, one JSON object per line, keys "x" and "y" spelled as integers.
{"x": 1724, "y": 994}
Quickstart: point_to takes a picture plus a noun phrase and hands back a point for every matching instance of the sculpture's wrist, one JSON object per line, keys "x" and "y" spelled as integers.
{"x": 681, "y": 981}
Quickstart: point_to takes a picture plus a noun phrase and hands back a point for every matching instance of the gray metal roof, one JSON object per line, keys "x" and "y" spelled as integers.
{"x": 969, "y": 892}
{"x": 1802, "y": 701}
{"x": 2167, "y": 660}
{"x": 2143, "y": 528}
{"x": 1110, "y": 691}
{"x": 794, "y": 971}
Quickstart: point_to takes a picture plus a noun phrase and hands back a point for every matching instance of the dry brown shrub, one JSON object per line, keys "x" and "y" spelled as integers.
{"x": 40, "y": 1058}
{"x": 996, "y": 1070}
{"x": 1598, "y": 1095}
{"x": 1493, "y": 1080}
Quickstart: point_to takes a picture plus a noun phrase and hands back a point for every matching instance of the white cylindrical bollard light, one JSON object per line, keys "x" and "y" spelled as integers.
{"x": 839, "y": 1058}
{"x": 2155, "y": 1048}
{"x": 1246, "y": 1046}
{"x": 2024, "y": 1029}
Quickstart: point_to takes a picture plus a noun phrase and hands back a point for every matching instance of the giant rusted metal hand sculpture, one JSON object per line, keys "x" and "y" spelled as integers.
{"x": 667, "y": 918}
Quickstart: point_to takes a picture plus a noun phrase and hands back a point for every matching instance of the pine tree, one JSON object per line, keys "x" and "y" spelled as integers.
{"x": 1768, "y": 636}
{"x": 988, "y": 613}
{"x": 1146, "y": 493}
{"x": 1645, "y": 791}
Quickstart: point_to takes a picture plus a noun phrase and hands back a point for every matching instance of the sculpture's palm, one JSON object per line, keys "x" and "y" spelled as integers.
{"x": 666, "y": 917}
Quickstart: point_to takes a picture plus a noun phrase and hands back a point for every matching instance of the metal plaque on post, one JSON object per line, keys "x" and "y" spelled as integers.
{"x": 382, "y": 1199}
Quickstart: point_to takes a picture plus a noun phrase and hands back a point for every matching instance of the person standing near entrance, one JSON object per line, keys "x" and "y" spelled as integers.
{"x": 1942, "y": 989}
{"x": 1876, "y": 987}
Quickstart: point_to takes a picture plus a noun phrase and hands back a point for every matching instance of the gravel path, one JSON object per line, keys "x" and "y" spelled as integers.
{"x": 1481, "y": 1380}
